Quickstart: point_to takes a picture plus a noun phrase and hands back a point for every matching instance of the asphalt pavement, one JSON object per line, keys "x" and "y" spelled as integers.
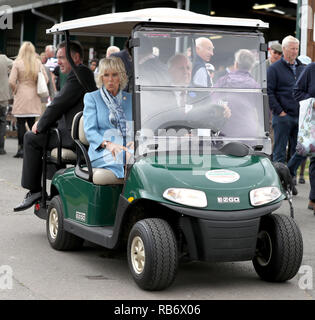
{"x": 31, "y": 269}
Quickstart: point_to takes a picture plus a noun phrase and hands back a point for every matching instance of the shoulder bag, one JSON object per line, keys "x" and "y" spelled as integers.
{"x": 42, "y": 89}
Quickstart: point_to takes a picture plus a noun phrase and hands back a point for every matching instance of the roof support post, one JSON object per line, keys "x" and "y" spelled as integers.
{"x": 22, "y": 30}
{"x": 112, "y": 38}
{"x": 187, "y": 5}
{"x": 44, "y": 16}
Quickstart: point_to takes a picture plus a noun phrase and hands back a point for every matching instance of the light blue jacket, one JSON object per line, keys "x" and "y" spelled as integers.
{"x": 98, "y": 128}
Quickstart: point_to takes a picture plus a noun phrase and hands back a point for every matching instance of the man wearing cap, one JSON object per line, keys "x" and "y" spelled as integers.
{"x": 275, "y": 54}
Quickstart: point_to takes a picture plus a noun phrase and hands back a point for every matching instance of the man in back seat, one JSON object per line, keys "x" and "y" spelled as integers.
{"x": 63, "y": 108}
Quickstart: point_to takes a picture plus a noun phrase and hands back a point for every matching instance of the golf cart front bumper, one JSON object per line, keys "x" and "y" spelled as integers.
{"x": 221, "y": 235}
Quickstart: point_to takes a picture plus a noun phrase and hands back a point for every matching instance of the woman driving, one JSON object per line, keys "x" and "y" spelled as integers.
{"x": 107, "y": 116}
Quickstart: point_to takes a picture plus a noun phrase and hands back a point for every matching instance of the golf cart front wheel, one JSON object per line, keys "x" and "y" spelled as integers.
{"x": 279, "y": 248}
{"x": 152, "y": 254}
{"x": 58, "y": 238}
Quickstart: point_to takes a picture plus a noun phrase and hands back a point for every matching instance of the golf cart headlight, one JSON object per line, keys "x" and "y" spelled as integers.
{"x": 265, "y": 195}
{"x": 188, "y": 197}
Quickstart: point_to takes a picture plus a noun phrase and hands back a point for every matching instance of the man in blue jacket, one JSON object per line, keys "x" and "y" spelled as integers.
{"x": 281, "y": 78}
{"x": 204, "y": 52}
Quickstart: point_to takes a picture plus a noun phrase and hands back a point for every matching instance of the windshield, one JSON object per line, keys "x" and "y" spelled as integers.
{"x": 201, "y": 84}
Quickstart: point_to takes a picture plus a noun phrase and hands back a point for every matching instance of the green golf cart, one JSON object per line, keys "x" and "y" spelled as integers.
{"x": 200, "y": 185}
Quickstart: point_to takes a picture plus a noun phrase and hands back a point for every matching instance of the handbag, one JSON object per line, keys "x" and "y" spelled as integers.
{"x": 42, "y": 89}
{"x": 306, "y": 135}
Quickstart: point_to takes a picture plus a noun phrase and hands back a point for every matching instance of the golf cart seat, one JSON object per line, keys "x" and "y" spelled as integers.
{"x": 98, "y": 176}
{"x": 59, "y": 155}
{"x": 67, "y": 155}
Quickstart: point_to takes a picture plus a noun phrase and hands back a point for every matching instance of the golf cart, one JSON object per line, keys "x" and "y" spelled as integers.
{"x": 200, "y": 184}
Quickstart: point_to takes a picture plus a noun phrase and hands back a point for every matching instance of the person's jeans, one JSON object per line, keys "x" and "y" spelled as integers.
{"x": 294, "y": 162}
{"x": 3, "y": 113}
{"x": 285, "y": 130}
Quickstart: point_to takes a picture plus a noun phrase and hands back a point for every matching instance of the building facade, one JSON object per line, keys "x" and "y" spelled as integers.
{"x": 30, "y": 19}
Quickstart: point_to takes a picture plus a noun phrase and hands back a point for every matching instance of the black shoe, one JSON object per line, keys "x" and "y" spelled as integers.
{"x": 301, "y": 180}
{"x": 29, "y": 200}
{"x": 311, "y": 205}
{"x": 294, "y": 191}
{"x": 19, "y": 154}
{"x": 2, "y": 151}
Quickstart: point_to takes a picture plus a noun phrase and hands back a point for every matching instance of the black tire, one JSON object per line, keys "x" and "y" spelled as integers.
{"x": 157, "y": 239}
{"x": 279, "y": 249}
{"x": 58, "y": 238}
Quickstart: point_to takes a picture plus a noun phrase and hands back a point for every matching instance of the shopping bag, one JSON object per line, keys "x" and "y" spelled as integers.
{"x": 42, "y": 89}
{"x": 306, "y": 135}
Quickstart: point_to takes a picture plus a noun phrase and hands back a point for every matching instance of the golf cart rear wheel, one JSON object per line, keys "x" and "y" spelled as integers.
{"x": 152, "y": 254}
{"x": 279, "y": 248}
{"x": 58, "y": 238}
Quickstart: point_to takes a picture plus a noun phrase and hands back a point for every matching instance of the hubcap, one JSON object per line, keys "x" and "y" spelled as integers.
{"x": 264, "y": 248}
{"x": 53, "y": 223}
{"x": 137, "y": 255}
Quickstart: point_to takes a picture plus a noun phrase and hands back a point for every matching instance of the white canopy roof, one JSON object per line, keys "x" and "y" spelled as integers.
{"x": 121, "y": 23}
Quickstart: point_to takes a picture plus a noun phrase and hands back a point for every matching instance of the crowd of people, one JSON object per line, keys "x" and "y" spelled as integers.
{"x": 289, "y": 80}
{"x": 18, "y": 91}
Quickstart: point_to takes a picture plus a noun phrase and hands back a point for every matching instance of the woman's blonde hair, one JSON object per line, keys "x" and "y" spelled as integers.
{"x": 28, "y": 55}
{"x": 113, "y": 64}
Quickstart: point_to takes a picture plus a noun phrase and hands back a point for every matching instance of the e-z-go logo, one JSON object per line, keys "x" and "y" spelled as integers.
{"x": 6, "y": 17}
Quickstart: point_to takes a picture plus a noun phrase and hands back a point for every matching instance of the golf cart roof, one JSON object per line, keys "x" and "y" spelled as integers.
{"x": 121, "y": 23}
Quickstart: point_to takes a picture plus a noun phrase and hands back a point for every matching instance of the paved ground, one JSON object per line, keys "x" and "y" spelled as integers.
{"x": 40, "y": 272}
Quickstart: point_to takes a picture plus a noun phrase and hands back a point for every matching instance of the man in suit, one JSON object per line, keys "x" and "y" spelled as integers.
{"x": 179, "y": 69}
{"x": 125, "y": 56}
{"x": 5, "y": 64}
{"x": 64, "y": 107}
{"x": 152, "y": 71}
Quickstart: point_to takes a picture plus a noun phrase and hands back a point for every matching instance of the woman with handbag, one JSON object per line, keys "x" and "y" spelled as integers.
{"x": 23, "y": 82}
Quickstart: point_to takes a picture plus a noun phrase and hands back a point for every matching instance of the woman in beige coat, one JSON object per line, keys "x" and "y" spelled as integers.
{"x": 23, "y": 82}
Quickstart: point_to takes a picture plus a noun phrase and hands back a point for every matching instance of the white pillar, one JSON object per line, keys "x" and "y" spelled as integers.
{"x": 306, "y": 22}
{"x": 22, "y": 30}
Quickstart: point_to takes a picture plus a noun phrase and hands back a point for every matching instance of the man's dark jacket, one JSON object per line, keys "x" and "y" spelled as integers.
{"x": 280, "y": 83}
{"x": 67, "y": 104}
{"x": 197, "y": 64}
{"x": 305, "y": 84}
{"x": 127, "y": 60}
